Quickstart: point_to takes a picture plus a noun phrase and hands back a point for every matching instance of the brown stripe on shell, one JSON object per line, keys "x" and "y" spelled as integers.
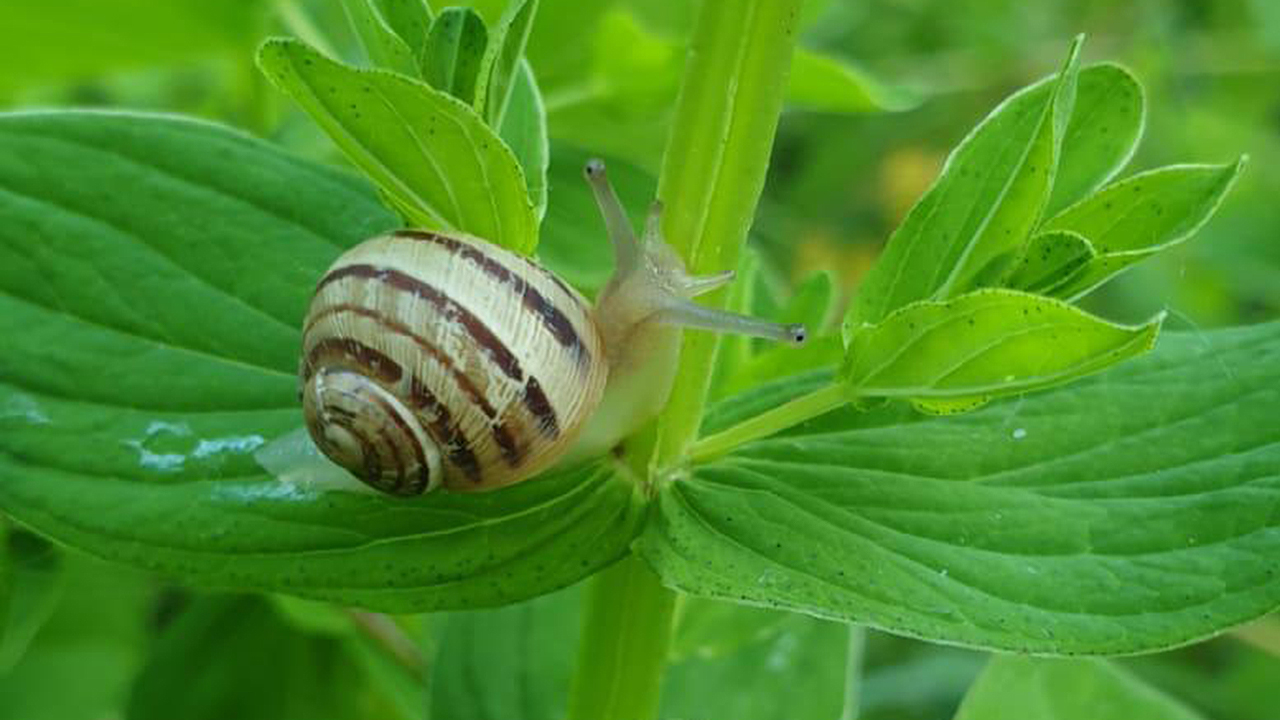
{"x": 547, "y": 312}
{"x": 536, "y": 400}
{"x": 506, "y": 439}
{"x": 445, "y": 431}
{"x": 502, "y": 435}
{"x": 373, "y": 362}
{"x": 464, "y": 381}
{"x": 407, "y": 485}
{"x": 501, "y": 356}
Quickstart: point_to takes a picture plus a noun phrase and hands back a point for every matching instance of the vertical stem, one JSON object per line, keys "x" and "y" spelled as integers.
{"x": 853, "y": 673}
{"x": 714, "y": 168}
{"x": 712, "y": 174}
{"x": 626, "y": 634}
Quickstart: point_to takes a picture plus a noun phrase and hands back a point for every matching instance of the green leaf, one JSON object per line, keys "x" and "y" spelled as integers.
{"x": 33, "y": 577}
{"x": 710, "y": 628}
{"x": 1134, "y": 511}
{"x": 1103, "y": 134}
{"x": 1022, "y": 688}
{"x": 159, "y": 338}
{"x": 43, "y": 43}
{"x": 797, "y": 672}
{"x": 234, "y": 657}
{"x": 81, "y": 662}
{"x": 524, "y": 130}
{"x": 434, "y": 157}
{"x": 821, "y": 83}
{"x": 713, "y": 171}
{"x": 986, "y": 344}
{"x": 1049, "y": 259}
{"x": 966, "y": 228}
{"x": 500, "y": 65}
{"x": 812, "y": 303}
{"x": 1139, "y": 216}
{"x": 408, "y": 19}
{"x": 454, "y": 51}
{"x": 385, "y": 48}
{"x": 511, "y": 663}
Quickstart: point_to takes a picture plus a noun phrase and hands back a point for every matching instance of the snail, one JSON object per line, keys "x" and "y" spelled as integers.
{"x": 440, "y": 359}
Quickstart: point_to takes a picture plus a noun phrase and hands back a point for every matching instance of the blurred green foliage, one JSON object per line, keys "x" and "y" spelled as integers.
{"x": 838, "y": 184}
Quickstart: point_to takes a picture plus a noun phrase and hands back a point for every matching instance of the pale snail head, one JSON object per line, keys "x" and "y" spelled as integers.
{"x": 435, "y": 359}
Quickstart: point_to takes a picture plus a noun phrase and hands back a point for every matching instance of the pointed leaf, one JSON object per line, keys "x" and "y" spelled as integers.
{"x": 159, "y": 338}
{"x": 1023, "y": 688}
{"x": 384, "y": 47}
{"x": 1130, "y": 512}
{"x": 1137, "y": 217}
{"x": 1049, "y": 259}
{"x": 986, "y": 344}
{"x": 501, "y": 61}
{"x": 821, "y": 83}
{"x": 430, "y": 153}
{"x": 408, "y": 19}
{"x": 1105, "y": 127}
{"x": 965, "y": 228}
{"x": 524, "y": 130}
{"x": 454, "y": 51}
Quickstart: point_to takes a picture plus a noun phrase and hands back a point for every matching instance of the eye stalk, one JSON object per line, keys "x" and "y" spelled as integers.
{"x": 651, "y": 284}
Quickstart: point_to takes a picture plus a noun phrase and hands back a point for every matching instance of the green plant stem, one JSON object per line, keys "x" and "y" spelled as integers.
{"x": 626, "y": 635}
{"x": 714, "y": 168}
{"x": 805, "y": 407}
{"x": 853, "y": 673}
{"x": 712, "y": 174}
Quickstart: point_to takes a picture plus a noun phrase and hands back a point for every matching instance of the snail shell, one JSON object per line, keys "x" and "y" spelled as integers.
{"x": 432, "y": 359}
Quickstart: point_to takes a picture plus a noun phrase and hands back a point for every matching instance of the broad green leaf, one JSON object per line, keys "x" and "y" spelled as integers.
{"x": 501, "y": 62}
{"x": 434, "y": 157}
{"x": 709, "y": 629}
{"x": 1139, "y": 216}
{"x": 1104, "y": 131}
{"x": 382, "y": 45}
{"x": 511, "y": 663}
{"x": 821, "y": 83}
{"x": 235, "y": 657}
{"x": 797, "y": 672}
{"x": 1049, "y": 259}
{"x": 408, "y": 19}
{"x": 34, "y": 579}
{"x": 986, "y": 344}
{"x": 1130, "y": 512}
{"x": 524, "y": 130}
{"x": 454, "y": 51}
{"x": 80, "y": 664}
{"x": 51, "y": 42}
{"x": 159, "y": 338}
{"x": 1023, "y": 688}
{"x": 966, "y": 228}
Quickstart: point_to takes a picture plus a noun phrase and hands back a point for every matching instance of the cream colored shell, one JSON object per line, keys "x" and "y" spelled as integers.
{"x": 451, "y": 339}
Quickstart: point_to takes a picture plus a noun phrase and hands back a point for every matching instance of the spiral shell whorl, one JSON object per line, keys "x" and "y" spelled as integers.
{"x": 364, "y": 428}
{"x": 487, "y": 356}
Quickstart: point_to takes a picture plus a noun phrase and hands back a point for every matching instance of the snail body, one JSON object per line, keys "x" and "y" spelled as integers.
{"x": 436, "y": 359}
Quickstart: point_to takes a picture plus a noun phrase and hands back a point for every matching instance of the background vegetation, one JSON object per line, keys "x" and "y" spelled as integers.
{"x": 845, "y": 169}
